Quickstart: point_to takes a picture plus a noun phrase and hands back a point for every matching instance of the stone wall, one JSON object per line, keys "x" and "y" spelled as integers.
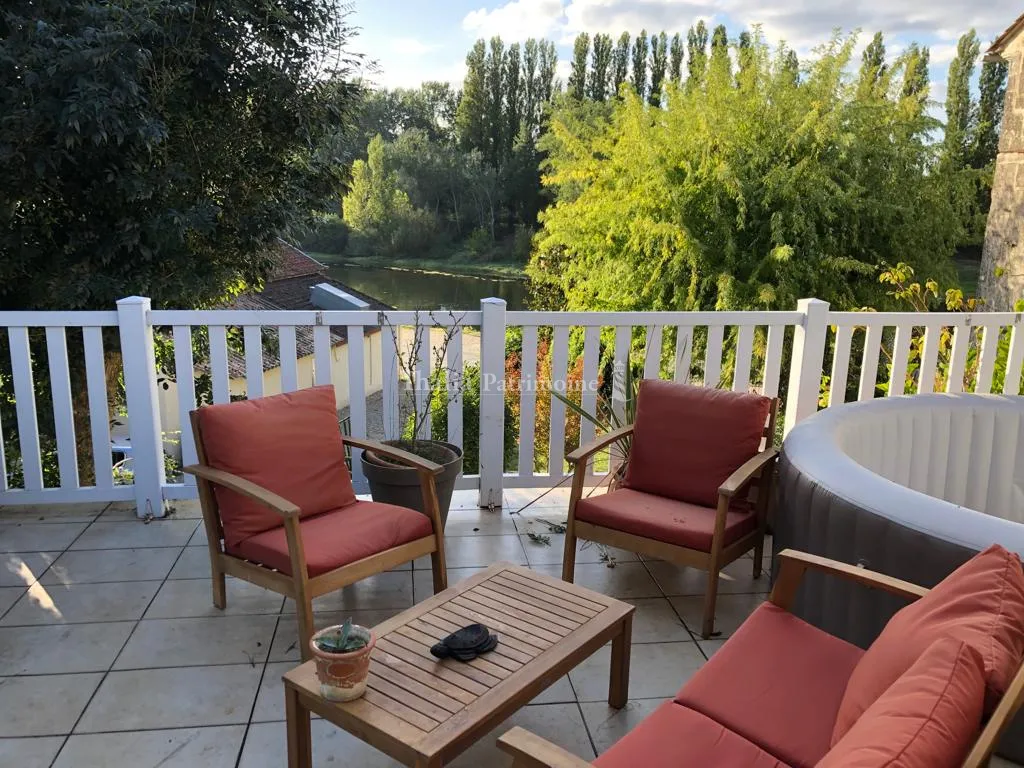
{"x": 1001, "y": 282}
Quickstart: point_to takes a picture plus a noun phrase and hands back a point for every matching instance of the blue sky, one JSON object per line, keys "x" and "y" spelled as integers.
{"x": 416, "y": 40}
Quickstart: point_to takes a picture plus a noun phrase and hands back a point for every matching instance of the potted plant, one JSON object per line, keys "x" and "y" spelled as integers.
{"x": 390, "y": 481}
{"x": 342, "y": 654}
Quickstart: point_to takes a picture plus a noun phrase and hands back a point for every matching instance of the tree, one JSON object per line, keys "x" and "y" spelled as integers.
{"x": 159, "y": 148}
{"x": 620, "y": 62}
{"x": 872, "y": 78}
{"x": 992, "y": 95}
{"x": 916, "y": 84}
{"x": 697, "y": 56}
{"x": 531, "y": 88}
{"x": 513, "y": 88}
{"x": 961, "y": 117}
{"x": 546, "y": 73}
{"x": 470, "y": 118}
{"x": 743, "y": 198}
{"x": 639, "y": 79}
{"x": 743, "y": 56}
{"x": 676, "y": 54}
{"x": 578, "y": 73}
{"x": 659, "y": 62}
{"x": 600, "y": 68}
{"x": 495, "y": 114}
{"x": 720, "y": 64}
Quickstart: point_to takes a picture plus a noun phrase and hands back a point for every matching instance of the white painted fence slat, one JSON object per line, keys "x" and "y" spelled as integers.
{"x": 744, "y": 350}
{"x": 652, "y": 352}
{"x": 99, "y": 408}
{"x": 713, "y": 357}
{"x": 773, "y": 359}
{"x": 356, "y": 394}
{"x": 253, "y": 336}
{"x": 684, "y": 349}
{"x": 321, "y": 354}
{"x": 958, "y": 358}
{"x": 559, "y": 364}
{"x": 900, "y": 355}
{"x": 527, "y": 401}
{"x": 219, "y": 364}
{"x": 288, "y": 355}
{"x": 1011, "y": 384}
{"x": 929, "y": 359}
{"x": 588, "y": 396}
{"x": 623, "y": 342}
{"x": 840, "y": 366}
{"x": 455, "y": 384}
{"x": 987, "y": 364}
{"x": 389, "y": 383}
{"x": 184, "y": 373}
{"x": 63, "y": 412}
{"x": 421, "y": 387}
{"x": 869, "y": 362}
{"x": 25, "y": 405}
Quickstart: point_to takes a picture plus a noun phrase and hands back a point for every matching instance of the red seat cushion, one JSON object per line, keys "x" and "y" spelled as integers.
{"x": 688, "y": 440}
{"x": 777, "y": 682}
{"x": 289, "y": 444}
{"x": 929, "y": 718}
{"x": 339, "y": 537}
{"x": 981, "y": 602}
{"x": 668, "y": 520}
{"x": 673, "y": 736}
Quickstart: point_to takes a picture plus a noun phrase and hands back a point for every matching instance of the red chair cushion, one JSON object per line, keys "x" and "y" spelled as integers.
{"x": 688, "y": 440}
{"x": 668, "y": 520}
{"x": 338, "y": 538}
{"x": 289, "y": 444}
{"x": 673, "y": 736}
{"x": 777, "y": 682}
{"x": 981, "y": 602}
{"x": 929, "y": 718}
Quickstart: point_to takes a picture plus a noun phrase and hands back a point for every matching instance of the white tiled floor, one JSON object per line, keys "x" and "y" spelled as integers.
{"x": 111, "y": 652}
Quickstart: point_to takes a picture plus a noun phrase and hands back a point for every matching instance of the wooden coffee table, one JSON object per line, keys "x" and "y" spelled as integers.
{"x": 424, "y": 712}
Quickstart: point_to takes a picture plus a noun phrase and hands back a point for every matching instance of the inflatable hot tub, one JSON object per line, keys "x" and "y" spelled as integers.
{"x": 910, "y": 486}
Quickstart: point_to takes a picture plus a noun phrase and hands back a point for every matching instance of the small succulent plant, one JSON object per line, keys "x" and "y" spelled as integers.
{"x": 343, "y": 641}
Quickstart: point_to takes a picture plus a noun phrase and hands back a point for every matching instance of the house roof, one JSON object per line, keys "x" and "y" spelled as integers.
{"x": 995, "y": 51}
{"x": 288, "y": 287}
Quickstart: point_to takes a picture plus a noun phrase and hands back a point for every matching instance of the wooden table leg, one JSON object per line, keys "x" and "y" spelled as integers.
{"x": 300, "y": 742}
{"x": 618, "y": 685}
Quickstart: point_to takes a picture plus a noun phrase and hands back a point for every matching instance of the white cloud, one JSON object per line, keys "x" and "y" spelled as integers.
{"x": 517, "y": 20}
{"x": 410, "y": 46}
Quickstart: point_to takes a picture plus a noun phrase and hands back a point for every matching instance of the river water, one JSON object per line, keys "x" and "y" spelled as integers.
{"x": 412, "y": 289}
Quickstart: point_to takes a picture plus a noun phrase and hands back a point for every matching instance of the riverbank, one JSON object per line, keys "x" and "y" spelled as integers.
{"x": 490, "y": 270}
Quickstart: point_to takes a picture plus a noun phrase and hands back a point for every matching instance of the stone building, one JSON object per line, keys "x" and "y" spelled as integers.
{"x": 1001, "y": 282}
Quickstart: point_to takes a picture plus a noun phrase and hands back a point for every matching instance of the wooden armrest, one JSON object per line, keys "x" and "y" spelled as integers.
{"x": 598, "y": 443}
{"x": 793, "y": 565}
{"x": 245, "y": 487}
{"x": 739, "y": 479}
{"x": 531, "y": 751}
{"x": 411, "y": 459}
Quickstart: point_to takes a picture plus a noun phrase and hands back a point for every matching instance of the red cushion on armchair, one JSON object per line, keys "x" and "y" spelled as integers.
{"x": 687, "y": 440}
{"x": 289, "y": 444}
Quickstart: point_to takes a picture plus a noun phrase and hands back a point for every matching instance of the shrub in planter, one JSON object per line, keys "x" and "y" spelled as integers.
{"x": 342, "y": 655}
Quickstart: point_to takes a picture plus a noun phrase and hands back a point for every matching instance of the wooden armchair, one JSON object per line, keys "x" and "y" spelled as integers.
{"x": 697, "y": 482}
{"x": 279, "y": 508}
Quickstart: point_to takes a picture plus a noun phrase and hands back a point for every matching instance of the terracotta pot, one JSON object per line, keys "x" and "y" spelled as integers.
{"x": 342, "y": 676}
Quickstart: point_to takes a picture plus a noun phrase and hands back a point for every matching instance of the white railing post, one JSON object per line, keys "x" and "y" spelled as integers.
{"x": 139, "y": 361}
{"x": 492, "y": 401}
{"x": 808, "y": 361}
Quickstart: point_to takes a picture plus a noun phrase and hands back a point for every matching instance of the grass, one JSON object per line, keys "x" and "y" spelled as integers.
{"x": 452, "y": 265}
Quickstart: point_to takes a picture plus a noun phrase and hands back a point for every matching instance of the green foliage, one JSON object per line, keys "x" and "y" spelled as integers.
{"x": 600, "y": 69}
{"x": 341, "y": 640}
{"x": 961, "y": 117}
{"x": 676, "y": 54}
{"x": 577, "y": 85}
{"x": 620, "y": 63}
{"x": 742, "y": 196}
{"x": 157, "y": 147}
{"x": 659, "y": 64}
{"x": 329, "y": 234}
{"x": 639, "y": 76}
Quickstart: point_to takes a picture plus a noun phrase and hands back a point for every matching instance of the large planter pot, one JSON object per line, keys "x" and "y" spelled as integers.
{"x": 343, "y": 676}
{"x": 400, "y": 485}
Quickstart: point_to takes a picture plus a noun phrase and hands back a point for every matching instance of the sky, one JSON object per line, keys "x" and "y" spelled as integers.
{"x": 416, "y": 40}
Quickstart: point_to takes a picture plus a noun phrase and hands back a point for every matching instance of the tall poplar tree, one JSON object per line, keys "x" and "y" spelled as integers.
{"x": 578, "y": 74}
{"x": 659, "y": 63}
{"x": 991, "y": 97}
{"x": 600, "y": 68}
{"x": 640, "y": 50}
{"x": 513, "y": 88}
{"x": 531, "y": 100}
{"x": 495, "y": 120}
{"x": 546, "y": 83}
{"x": 961, "y": 116}
{"x": 720, "y": 64}
{"x": 870, "y": 81}
{"x": 916, "y": 82}
{"x": 697, "y": 55}
{"x": 470, "y": 123}
{"x": 676, "y": 54}
{"x": 620, "y": 62}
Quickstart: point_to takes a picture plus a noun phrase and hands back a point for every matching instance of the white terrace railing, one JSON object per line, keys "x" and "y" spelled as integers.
{"x": 75, "y": 378}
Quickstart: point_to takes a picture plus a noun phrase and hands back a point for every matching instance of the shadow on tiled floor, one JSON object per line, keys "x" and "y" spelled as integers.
{"x": 111, "y": 652}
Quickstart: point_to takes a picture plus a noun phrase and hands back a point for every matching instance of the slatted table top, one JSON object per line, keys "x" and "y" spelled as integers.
{"x": 422, "y": 710}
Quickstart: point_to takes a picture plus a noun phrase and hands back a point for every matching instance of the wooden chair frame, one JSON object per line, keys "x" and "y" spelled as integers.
{"x": 300, "y": 586}
{"x": 759, "y": 467}
{"x": 531, "y": 751}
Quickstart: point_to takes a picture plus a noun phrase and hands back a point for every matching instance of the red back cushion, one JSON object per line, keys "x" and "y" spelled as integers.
{"x": 981, "y": 602}
{"x": 928, "y": 718}
{"x": 289, "y": 444}
{"x": 688, "y": 440}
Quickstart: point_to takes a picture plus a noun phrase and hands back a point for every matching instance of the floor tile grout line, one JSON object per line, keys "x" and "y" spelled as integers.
{"x": 256, "y": 697}
{"x": 106, "y": 674}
